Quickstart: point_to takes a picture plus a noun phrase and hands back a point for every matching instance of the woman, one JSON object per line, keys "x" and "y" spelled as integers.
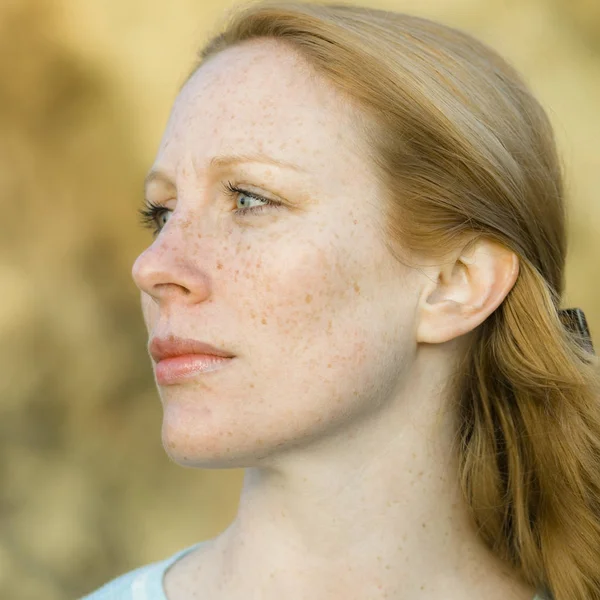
{"x": 353, "y": 293}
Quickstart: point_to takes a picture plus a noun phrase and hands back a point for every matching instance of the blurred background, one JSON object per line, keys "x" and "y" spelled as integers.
{"x": 86, "y": 490}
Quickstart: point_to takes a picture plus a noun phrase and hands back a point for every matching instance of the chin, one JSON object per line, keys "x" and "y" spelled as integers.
{"x": 195, "y": 450}
{"x": 195, "y": 447}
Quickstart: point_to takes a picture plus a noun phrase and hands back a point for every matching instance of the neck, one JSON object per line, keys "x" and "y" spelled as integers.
{"x": 362, "y": 515}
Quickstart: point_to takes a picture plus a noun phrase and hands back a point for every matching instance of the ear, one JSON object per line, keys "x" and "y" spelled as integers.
{"x": 465, "y": 290}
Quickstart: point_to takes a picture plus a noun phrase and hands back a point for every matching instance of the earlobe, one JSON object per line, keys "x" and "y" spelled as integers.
{"x": 463, "y": 292}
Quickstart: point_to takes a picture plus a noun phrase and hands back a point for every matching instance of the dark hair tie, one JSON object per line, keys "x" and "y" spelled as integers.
{"x": 574, "y": 320}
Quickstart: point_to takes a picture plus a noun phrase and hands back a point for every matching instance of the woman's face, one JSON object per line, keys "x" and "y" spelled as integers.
{"x": 318, "y": 314}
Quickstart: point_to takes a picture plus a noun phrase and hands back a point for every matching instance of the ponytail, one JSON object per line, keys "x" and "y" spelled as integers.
{"x": 529, "y": 423}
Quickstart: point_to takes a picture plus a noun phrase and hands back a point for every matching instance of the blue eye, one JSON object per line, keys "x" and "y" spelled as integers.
{"x": 237, "y": 192}
{"x": 155, "y": 217}
{"x": 245, "y": 199}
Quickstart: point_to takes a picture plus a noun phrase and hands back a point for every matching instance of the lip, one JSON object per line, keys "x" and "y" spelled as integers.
{"x": 178, "y": 359}
{"x": 161, "y": 348}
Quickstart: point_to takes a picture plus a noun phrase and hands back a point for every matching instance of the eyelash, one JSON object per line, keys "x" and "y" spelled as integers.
{"x": 150, "y": 211}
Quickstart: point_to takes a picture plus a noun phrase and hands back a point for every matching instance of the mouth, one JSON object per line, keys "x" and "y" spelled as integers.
{"x": 178, "y": 359}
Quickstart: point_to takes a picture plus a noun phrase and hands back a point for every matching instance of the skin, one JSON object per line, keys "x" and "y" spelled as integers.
{"x": 334, "y": 403}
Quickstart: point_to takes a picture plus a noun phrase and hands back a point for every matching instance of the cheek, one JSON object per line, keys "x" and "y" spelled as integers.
{"x": 295, "y": 290}
{"x": 335, "y": 305}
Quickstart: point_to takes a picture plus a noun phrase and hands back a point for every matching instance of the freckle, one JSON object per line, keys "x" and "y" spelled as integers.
{"x": 251, "y": 385}
{"x": 356, "y": 287}
{"x": 219, "y": 265}
{"x": 263, "y": 321}
{"x": 355, "y": 222}
{"x": 308, "y": 298}
{"x": 424, "y": 525}
{"x": 329, "y": 365}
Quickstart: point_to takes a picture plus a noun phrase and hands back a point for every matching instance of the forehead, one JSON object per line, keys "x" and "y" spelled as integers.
{"x": 260, "y": 97}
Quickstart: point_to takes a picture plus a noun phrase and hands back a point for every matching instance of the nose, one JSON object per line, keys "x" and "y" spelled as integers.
{"x": 167, "y": 271}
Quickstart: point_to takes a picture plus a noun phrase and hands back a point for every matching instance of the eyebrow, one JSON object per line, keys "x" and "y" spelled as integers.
{"x": 221, "y": 162}
{"x": 161, "y": 176}
{"x": 231, "y": 159}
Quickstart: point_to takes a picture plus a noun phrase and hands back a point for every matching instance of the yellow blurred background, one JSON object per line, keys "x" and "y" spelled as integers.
{"x": 86, "y": 490}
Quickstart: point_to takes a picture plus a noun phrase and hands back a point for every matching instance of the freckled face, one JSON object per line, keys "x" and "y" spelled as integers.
{"x": 319, "y": 315}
